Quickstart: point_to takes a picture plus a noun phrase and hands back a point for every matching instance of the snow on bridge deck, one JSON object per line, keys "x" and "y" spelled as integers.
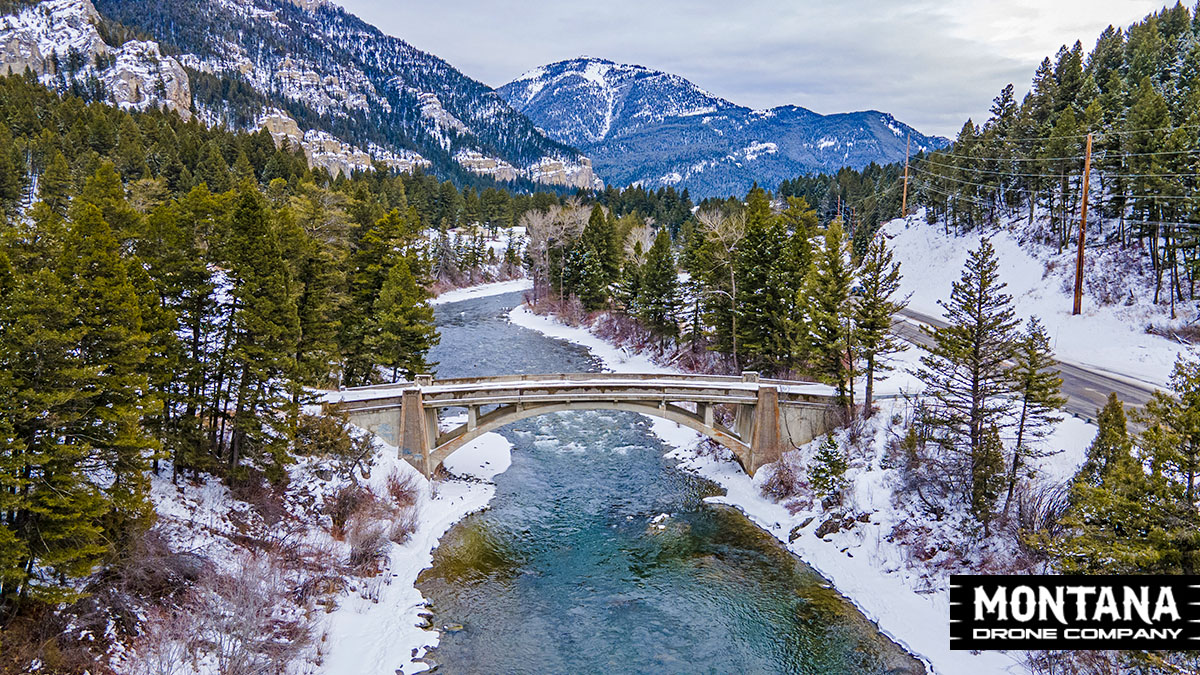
{"x": 612, "y": 381}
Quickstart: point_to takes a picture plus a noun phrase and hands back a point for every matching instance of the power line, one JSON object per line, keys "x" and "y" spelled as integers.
{"x": 1102, "y": 133}
{"x": 995, "y": 188}
{"x": 1104, "y": 154}
{"x": 925, "y": 187}
{"x": 1005, "y": 159}
{"x": 1059, "y": 175}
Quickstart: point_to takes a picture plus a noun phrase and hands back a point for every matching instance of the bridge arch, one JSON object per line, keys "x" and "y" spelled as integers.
{"x": 504, "y": 417}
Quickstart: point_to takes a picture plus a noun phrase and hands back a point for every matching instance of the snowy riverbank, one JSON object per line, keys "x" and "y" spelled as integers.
{"x": 482, "y": 291}
{"x": 863, "y": 562}
{"x": 379, "y": 630}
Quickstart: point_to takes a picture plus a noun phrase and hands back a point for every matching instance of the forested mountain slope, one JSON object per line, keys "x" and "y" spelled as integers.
{"x": 1137, "y": 94}
{"x": 309, "y": 72}
{"x": 653, "y": 128}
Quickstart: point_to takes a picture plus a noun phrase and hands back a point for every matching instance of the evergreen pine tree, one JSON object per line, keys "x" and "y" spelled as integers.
{"x": 879, "y": 279}
{"x": 265, "y": 329}
{"x": 987, "y": 477}
{"x": 112, "y": 348}
{"x": 1173, "y": 431}
{"x": 1111, "y": 525}
{"x": 49, "y": 505}
{"x": 1037, "y": 388}
{"x": 658, "y": 298}
{"x": 56, "y": 186}
{"x": 829, "y": 469}
{"x": 404, "y": 329}
{"x": 760, "y": 297}
{"x": 600, "y": 235}
{"x": 213, "y": 170}
{"x": 1112, "y": 442}
{"x": 965, "y": 371}
{"x": 12, "y": 176}
{"x": 826, "y": 296}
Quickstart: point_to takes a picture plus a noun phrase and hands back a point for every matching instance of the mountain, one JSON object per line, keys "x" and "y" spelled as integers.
{"x": 306, "y": 70}
{"x": 653, "y": 128}
{"x": 59, "y": 41}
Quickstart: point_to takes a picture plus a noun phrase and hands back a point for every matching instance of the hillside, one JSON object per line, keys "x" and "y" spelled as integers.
{"x": 308, "y": 71}
{"x": 657, "y": 129}
{"x": 1131, "y": 104}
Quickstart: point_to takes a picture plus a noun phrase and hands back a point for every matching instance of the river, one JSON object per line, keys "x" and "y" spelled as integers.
{"x": 574, "y": 568}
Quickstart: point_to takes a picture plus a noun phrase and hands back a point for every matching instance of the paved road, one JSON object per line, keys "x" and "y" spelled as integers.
{"x": 1086, "y": 389}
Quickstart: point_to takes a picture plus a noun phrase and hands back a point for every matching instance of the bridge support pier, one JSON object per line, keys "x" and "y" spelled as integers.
{"x": 766, "y": 443}
{"x": 414, "y": 439}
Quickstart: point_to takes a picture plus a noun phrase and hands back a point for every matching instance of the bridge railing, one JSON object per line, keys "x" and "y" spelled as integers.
{"x": 588, "y": 377}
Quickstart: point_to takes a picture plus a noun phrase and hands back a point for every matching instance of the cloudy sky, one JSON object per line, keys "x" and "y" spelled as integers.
{"x": 932, "y": 63}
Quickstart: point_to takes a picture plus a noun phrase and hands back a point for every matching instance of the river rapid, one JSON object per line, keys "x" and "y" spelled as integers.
{"x": 598, "y": 555}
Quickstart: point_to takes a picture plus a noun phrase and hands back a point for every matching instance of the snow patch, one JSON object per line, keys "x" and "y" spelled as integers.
{"x": 483, "y": 291}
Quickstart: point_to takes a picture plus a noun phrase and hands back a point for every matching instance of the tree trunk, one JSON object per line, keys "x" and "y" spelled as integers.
{"x": 1016, "y": 460}
{"x": 733, "y": 312}
{"x": 869, "y": 393}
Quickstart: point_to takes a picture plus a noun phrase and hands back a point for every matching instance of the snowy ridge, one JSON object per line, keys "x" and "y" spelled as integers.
{"x": 618, "y": 97}
{"x": 651, "y": 128}
{"x": 344, "y": 77}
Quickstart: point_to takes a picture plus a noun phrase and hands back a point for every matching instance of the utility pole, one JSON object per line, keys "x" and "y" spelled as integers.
{"x": 904, "y": 199}
{"x": 1087, "y": 170}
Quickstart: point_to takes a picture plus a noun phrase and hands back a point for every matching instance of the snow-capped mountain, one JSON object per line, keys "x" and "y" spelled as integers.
{"x": 607, "y": 99}
{"x": 653, "y": 128}
{"x": 305, "y": 69}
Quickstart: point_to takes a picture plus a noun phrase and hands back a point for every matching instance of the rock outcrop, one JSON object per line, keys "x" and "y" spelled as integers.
{"x": 477, "y": 162}
{"x": 336, "y": 156}
{"x": 141, "y": 76}
{"x": 58, "y": 41}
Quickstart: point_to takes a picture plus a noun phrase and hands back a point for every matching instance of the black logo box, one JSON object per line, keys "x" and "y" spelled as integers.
{"x": 1014, "y": 628}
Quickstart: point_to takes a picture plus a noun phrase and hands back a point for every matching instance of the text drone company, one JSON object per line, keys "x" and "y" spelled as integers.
{"x": 1073, "y": 612}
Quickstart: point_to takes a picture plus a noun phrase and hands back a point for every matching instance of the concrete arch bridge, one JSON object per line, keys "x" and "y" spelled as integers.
{"x": 771, "y": 415}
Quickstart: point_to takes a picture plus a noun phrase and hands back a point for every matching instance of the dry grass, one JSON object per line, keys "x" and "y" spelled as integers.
{"x": 368, "y": 522}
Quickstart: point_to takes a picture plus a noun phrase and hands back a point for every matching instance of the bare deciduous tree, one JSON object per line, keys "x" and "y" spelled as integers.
{"x": 550, "y": 233}
{"x": 725, "y": 233}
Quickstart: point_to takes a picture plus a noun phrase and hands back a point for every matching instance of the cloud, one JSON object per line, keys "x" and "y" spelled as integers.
{"x": 932, "y": 64}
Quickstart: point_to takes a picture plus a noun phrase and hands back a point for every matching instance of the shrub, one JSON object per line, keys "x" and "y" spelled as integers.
{"x": 404, "y": 525}
{"x": 368, "y": 544}
{"x": 266, "y": 498}
{"x": 345, "y": 503}
{"x": 403, "y": 489}
{"x": 785, "y": 482}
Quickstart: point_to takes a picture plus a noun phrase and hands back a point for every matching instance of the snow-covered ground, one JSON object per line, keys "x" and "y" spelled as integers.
{"x": 482, "y": 291}
{"x": 1108, "y": 337}
{"x": 373, "y": 624}
{"x": 381, "y": 633}
{"x": 908, "y": 603}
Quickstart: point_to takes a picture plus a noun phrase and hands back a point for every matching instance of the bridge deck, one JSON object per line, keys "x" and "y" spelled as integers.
{"x": 586, "y": 386}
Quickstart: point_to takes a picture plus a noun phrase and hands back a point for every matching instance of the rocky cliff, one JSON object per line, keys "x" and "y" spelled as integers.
{"x": 58, "y": 41}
